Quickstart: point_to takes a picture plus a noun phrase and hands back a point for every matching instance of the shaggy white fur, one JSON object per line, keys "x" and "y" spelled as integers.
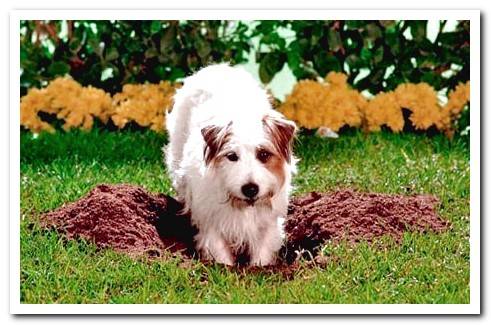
{"x": 230, "y": 161}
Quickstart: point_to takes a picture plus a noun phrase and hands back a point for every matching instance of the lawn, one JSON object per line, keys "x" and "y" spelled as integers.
{"x": 431, "y": 268}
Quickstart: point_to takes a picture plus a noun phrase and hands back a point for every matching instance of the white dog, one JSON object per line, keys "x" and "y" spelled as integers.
{"x": 230, "y": 160}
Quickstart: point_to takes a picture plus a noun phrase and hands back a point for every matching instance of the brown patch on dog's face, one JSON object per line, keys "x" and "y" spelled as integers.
{"x": 281, "y": 132}
{"x": 215, "y": 139}
{"x": 275, "y": 165}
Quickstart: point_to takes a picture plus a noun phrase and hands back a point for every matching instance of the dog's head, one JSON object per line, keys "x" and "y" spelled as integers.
{"x": 251, "y": 165}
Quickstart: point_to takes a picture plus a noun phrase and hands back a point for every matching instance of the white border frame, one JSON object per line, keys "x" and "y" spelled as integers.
{"x": 475, "y": 291}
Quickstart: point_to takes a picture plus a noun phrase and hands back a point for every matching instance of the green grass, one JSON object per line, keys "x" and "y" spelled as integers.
{"x": 430, "y": 268}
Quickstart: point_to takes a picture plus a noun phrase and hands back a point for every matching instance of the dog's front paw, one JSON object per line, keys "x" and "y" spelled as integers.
{"x": 263, "y": 258}
{"x": 214, "y": 248}
{"x": 220, "y": 258}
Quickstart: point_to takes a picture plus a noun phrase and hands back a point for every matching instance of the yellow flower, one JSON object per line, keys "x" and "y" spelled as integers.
{"x": 457, "y": 100}
{"x": 78, "y": 106}
{"x": 383, "y": 109}
{"x": 144, "y": 104}
{"x": 330, "y": 103}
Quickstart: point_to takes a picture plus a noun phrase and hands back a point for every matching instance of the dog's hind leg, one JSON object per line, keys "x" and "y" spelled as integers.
{"x": 178, "y": 123}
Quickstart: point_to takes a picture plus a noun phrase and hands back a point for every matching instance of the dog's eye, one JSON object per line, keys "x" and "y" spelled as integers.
{"x": 232, "y": 156}
{"x": 263, "y": 155}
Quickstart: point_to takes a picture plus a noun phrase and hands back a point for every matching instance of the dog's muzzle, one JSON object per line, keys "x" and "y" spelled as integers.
{"x": 240, "y": 203}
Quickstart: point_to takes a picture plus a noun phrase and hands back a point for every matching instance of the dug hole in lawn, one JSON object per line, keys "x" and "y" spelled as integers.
{"x": 129, "y": 219}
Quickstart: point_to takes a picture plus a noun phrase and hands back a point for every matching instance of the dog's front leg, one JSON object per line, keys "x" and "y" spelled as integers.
{"x": 264, "y": 252}
{"x": 212, "y": 246}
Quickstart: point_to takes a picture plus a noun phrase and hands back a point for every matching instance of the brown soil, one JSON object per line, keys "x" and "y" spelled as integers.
{"x": 354, "y": 216}
{"x": 126, "y": 218}
{"x": 129, "y": 219}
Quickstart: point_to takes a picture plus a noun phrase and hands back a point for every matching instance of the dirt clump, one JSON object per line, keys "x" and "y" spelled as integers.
{"x": 125, "y": 218}
{"x": 129, "y": 219}
{"x": 353, "y": 216}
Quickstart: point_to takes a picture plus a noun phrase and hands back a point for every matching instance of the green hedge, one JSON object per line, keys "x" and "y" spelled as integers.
{"x": 350, "y": 46}
{"x": 108, "y": 54}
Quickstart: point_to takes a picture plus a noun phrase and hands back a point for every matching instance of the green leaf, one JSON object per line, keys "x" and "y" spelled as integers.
{"x": 270, "y": 64}
{"x": 355, "y": 24}
{"x": 432, "y": 78}
{"x": 203, "y": 48}
{"x": 74, "y": 43}
{"x": 274, "y": 39}
{"x": 24, "y": 55}
{"x": 418, "y": 29}
{"x": 374, "y": 32}
{"x": 394, "y": 42}
{"x": 449, "y": 38}
{"x": 151, "y": 53}
{"x": 332, "y": 63}
{"x": 58, "y": 68}
{"x": 376, "y": 77}
{"x": 405, "y": 67}
{"x": 378, "y": 55}
{"x": 112, "y": 54}
{"x": 167, "y": 40}
{"x": 325, "y": 63}
{"x": 159, "y": 70}
{"x": 353, "y": 61}
{"x": 334, "y": 40}
{"x": 155, "y": 26}
{"x": 266, "y": 26}
{"x": 294, "y": 59}
{"x": 366, "y": 55}
{"x": 176, "y": 73}
{"x": 387, "y": 23}
{"x": 95, "y": 46}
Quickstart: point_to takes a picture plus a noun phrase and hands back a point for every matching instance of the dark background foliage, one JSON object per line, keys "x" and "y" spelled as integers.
{"x": 139, "y": 51}
{"x": 136, "y": 51}
{"x": 349, "y": 46}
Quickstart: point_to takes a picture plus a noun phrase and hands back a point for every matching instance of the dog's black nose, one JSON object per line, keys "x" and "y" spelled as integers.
{"x": 250, "y": 190}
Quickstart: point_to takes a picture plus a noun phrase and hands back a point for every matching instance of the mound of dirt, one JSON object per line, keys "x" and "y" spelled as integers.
{"x": 353, "y": 216}
{"x": 129, "y": 219}
{"x": 126, "y": 218}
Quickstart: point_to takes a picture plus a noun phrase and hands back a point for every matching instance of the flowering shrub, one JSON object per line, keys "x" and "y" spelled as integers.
{"x": 334, "y": 104}
{"x": 331, "y": 103}
{"x": 457, "y": 100}
{"x": 71, "y": 102}
{"x": 144, "y": 104}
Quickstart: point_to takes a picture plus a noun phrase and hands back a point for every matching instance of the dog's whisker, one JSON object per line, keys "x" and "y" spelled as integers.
{"x": 229, "y": 198}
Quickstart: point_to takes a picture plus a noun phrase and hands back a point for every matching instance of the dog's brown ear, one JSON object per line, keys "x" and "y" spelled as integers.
{"x": 215, "y": 138}
{"x": 282, "y": 132}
